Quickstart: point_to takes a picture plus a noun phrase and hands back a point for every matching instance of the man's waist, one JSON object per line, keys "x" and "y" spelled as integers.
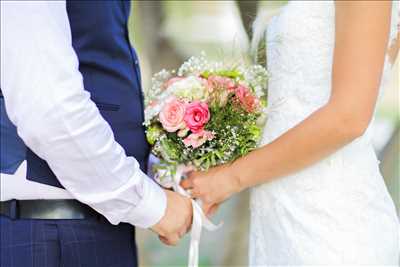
{"x": 60, "y": 209}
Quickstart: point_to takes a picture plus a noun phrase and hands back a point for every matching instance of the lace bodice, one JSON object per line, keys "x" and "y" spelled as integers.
{"x": 338, "y": 210}
{"x": 300, "y": 46}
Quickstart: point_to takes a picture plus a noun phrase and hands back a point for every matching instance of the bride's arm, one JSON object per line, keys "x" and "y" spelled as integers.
{"x": 362, "y": 30}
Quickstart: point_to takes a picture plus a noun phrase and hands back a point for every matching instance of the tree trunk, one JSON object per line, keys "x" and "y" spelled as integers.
{"x": 248, "y": 12}
{"x": 158, "y": 49}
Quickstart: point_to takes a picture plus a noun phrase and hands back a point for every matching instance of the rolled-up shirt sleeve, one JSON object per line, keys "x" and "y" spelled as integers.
{"x": 55, "y": 117}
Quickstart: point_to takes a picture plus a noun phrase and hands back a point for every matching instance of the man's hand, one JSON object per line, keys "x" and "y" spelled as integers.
{"x": 177, "y": 219}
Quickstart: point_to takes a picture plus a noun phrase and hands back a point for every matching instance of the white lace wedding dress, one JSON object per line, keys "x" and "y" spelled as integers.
{"x": 337, "y": 211}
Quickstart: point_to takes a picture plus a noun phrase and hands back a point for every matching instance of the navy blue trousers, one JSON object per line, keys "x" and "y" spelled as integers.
{"x": 66, "y": 243}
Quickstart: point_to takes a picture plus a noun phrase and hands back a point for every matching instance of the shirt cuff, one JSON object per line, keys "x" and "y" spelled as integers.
{"x": 152, "y": 206}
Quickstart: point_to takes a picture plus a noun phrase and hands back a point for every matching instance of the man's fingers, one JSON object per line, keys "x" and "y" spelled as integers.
{"x": 172, "y": 240}
{"x": 164, "y": 240}
{"x": 183, "y": 232}
{"x": 212, "y": 210}
{"x": 207, "y": 207}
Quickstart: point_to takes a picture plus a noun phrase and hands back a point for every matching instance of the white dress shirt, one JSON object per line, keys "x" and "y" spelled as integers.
{"x": 55, "y": 117}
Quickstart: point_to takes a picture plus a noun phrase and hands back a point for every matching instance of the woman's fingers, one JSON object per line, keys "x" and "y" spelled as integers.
{"x": 187, "y": 183}
{"x": 198, "y": 184}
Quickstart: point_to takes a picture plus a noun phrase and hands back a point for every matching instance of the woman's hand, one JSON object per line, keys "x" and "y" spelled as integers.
{"x": 212, "y": 187}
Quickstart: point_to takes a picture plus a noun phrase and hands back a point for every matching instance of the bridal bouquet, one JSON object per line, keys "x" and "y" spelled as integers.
{"x": 203, "y": 115}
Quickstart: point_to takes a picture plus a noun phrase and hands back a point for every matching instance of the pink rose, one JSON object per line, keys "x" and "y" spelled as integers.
{"x": 247, "y": 100}
{"x": 197, "y": 139}
{"x": 172, "y": 114}
{"x": 196, "y": 116}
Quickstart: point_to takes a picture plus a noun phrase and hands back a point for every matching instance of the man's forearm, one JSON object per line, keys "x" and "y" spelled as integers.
{"x": 55, "y": 117}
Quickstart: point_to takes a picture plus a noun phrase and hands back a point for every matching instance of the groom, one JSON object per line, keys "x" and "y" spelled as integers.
{"x": 73, "y": 148}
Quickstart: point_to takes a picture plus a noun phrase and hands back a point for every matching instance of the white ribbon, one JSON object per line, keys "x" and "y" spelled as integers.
{"x": 200, "y": 220}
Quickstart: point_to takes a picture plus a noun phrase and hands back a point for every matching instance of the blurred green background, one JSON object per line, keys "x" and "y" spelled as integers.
{"x": 167, "y": 32}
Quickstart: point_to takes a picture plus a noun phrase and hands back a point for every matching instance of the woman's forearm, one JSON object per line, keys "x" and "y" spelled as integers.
{"x": 319, "y": 135}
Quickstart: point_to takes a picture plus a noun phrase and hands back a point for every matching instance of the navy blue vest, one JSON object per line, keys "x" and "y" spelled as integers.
{"x": 111, "y": 74}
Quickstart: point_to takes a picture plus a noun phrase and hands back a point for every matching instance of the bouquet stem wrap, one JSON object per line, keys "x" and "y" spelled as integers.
{"x": 200, "y": 220}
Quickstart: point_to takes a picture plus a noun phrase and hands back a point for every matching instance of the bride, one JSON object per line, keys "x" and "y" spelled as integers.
{"x": 318, "y": 196}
